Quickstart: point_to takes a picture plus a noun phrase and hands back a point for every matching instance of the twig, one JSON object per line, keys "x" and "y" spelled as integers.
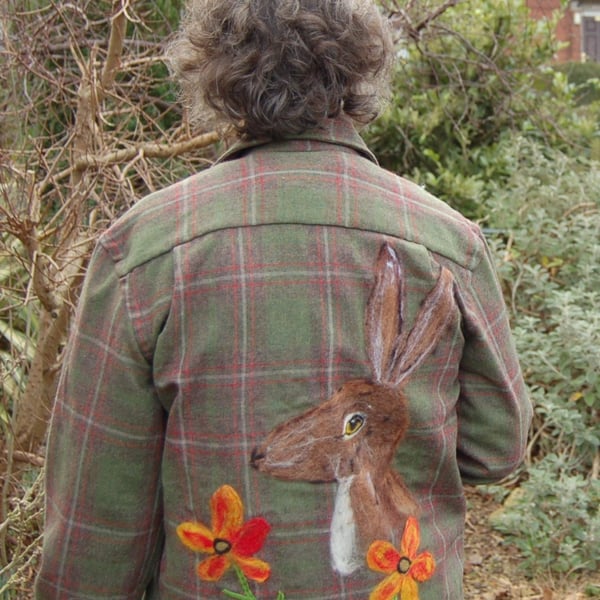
{"x": 595, "y": 466}
{"x": 414, "y": 30}
{"x": 435, "y": 14}
{"x": 115, "y": 46}
{"x": 581, "y": 206}
{"x": 148, "y": 149}
{"x": 28, "y": 457}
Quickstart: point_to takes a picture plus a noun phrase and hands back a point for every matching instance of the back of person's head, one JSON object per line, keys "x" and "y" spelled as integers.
{"x": 271, "y": 68}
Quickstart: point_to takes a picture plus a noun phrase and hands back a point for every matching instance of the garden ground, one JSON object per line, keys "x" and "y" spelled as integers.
{"x": 492, "y": 569}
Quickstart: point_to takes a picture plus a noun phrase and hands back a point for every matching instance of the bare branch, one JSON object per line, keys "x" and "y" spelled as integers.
{"x": 400, "y": 16}
{"x": 148, "y": 149}
{"x": 115, "y": 46}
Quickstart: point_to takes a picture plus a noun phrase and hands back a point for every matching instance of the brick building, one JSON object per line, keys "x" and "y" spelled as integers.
{"x": 579, "y": 27}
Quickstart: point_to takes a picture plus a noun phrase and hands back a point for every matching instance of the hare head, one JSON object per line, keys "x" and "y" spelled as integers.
{"x": 358, "y": 428}
{"x": 351, "y": 438}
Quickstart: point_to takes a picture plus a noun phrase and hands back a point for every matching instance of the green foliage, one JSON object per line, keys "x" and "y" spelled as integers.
{"x": 549, "y": 207}
{"x": 480, "y": 73}
{"x": 554, "y": 520}
{"x": 585, "y": 77}
{"x": 547, "y": 218}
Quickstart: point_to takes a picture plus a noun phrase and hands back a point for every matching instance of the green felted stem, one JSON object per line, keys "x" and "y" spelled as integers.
{"x": 247, "y": 595}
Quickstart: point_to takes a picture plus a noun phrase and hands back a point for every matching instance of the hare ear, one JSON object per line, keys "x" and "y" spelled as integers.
{"x": 384, "y": 311}
{"x": 430, "y": 324}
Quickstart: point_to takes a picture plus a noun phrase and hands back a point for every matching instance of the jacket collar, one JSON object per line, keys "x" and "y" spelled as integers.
{"x": 340, "y": 131}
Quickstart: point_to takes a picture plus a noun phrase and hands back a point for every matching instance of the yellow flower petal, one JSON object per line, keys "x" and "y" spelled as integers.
{"x": 388, "y": 588}
{"x": 411, "y": 538}
{"x": 409, "y": 590}
{"x": 254, "y": 568}
{"x": 227, "y": 512}
{"x": 196, "y": 536}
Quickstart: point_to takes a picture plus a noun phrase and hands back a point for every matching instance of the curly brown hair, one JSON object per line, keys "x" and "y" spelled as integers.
{"x": 272, "y": 68}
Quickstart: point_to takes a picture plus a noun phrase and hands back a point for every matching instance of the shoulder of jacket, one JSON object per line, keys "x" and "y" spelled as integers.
{"x": 210, "y": 201}
{"x": 428, "y": 221}
{"x": 152, "y": 227}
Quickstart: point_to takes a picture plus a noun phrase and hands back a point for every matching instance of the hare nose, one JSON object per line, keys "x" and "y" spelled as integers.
{"x": 256, "y": 457}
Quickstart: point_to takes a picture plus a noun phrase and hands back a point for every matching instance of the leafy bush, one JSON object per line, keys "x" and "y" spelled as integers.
{"x": 586, "y": 77}
{"x": 554, "y": 520}
{"x": 466, "y": 121}
{"x": 480, "y": 72}
{"x": 546, "y": 219}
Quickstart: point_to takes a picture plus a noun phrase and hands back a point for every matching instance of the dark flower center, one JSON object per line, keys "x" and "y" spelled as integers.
{"x": 221, "y": 546}
{"x": 403, "y": 565}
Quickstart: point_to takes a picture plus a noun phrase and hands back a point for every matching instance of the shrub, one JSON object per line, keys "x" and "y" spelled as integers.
{"x": 554, "y": 521}
{"x": 480, "y": 72}
{"x": 546, "y": 232}
{"x": 586, "y": 77}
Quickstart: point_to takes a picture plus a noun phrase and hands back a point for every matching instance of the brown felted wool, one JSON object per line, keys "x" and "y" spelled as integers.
{"x": 351, "y": 438}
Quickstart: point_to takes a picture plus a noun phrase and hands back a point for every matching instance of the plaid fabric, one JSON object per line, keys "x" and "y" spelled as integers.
{"x": 230, "y": 302}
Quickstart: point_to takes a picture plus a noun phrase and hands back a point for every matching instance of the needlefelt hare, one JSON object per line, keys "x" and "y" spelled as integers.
{"x": 351, "y": 438}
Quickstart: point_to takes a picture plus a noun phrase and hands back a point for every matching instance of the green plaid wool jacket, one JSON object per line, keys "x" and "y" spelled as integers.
{"x": 230, "y": 302}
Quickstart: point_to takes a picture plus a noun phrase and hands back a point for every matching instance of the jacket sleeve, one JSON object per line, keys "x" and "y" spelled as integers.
{"x": 494, "y": 411}
{"x": 103, "y": 500}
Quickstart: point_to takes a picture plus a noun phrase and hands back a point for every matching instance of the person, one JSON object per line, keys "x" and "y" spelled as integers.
{"x": 232, "y": 301}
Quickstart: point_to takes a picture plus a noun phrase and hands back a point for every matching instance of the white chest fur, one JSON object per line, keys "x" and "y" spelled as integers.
{"x": 344, "y": 553}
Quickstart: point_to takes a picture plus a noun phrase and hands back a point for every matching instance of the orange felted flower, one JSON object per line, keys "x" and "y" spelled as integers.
{"x": 229, "y": 540}
{"x": 404, "y": 567}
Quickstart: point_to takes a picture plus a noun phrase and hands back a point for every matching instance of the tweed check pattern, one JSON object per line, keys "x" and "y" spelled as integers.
{"x": 230, "y": 302}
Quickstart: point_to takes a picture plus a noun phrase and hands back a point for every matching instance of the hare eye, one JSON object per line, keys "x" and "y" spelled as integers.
{"x": 353, "y": 423}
